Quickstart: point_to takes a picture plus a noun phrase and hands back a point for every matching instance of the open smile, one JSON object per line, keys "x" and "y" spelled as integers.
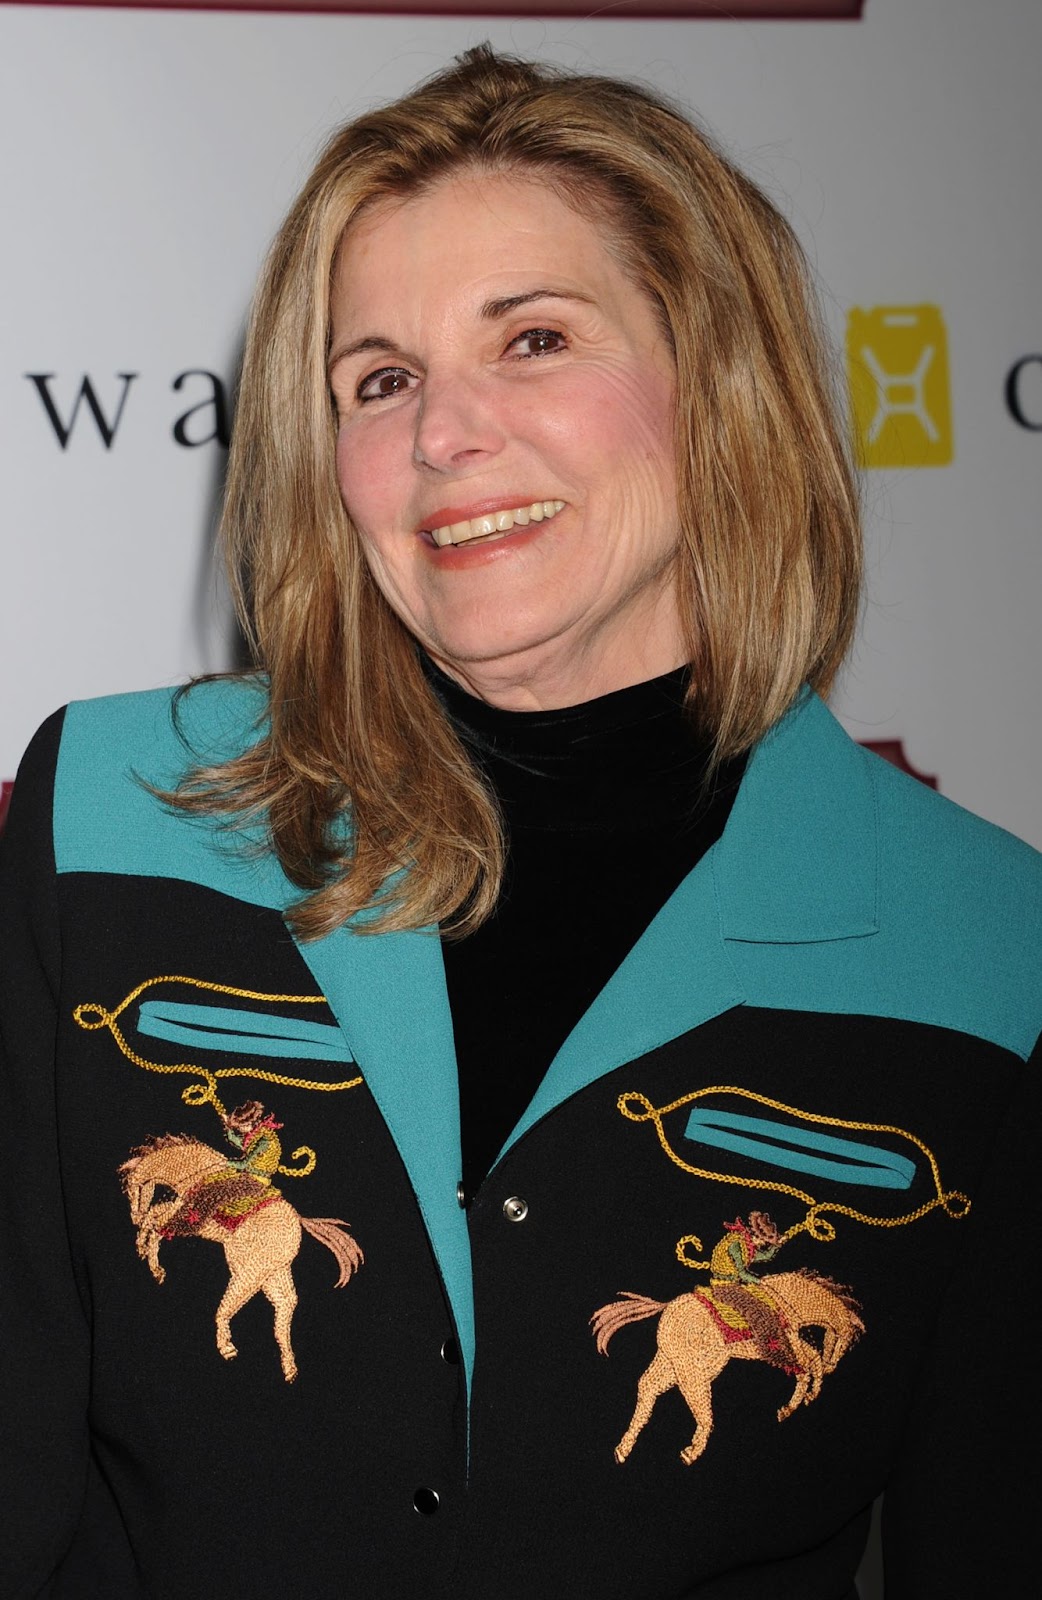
{"x": 494, "y": 524}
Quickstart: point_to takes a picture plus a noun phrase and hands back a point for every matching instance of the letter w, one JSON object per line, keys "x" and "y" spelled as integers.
{"x": 107, "y": 429}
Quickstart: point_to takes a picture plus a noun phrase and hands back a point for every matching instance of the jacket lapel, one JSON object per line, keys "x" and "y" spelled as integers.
{"x": 798, "y": 860}
{"x": 676, "y": 977}
{"x": 387, "y": 991}
{"x": 796, "y": 864}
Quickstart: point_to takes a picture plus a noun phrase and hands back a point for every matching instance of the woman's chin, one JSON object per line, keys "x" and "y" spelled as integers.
{"x": 465, "y": 653}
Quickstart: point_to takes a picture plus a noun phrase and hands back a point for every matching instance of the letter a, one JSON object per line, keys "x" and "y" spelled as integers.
{"x": 215, "y": 402}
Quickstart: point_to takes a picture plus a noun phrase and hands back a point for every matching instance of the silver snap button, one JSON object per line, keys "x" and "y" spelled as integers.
{"x": 515, "y": 1209}
{"x": 461, "y": 1197}
{"x": 426, "y": 1501}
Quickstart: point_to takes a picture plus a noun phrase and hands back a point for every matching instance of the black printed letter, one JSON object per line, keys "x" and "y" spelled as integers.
{"x": 63, "y": 430}
{"x": 1014, "y": 398}
{"x": 216, "y": 401}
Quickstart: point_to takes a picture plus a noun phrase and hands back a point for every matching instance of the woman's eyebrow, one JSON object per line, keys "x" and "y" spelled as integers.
{"x": 503, "y": 305}
{"x": 357, "y": 347}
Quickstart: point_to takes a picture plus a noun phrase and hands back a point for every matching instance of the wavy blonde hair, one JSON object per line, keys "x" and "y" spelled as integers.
{"x": 769, "y": 563}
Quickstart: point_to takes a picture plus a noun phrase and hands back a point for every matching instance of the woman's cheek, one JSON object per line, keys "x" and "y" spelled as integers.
{"x": 344, "y": 463}
{"x": 362, "y": 476}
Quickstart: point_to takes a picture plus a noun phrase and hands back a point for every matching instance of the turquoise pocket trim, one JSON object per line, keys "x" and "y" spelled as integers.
{"x": 255, "y": 1033}
{"x": 859, "y": 1163}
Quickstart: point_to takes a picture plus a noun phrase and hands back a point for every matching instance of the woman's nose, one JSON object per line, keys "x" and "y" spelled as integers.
{"x": 455, "y": 424}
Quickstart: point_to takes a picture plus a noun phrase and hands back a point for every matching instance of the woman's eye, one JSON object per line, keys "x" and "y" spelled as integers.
{"x": 381, "y": 385}
{"x": 537, "y": 342}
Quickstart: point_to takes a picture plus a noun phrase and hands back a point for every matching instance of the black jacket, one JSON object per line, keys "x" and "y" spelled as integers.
{"x": 828, "y": 1023}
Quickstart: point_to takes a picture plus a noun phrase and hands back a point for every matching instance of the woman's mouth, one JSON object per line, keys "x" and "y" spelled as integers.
{"x": 494, "y": 524}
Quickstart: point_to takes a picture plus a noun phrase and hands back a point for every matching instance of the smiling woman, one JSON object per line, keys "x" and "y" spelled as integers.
{"x": 513, "y": 485}
{"x": 544, "y": 287}
{"x": 530, "y": 884}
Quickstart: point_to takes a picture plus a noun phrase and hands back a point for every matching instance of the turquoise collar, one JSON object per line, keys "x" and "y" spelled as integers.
{"x": 799, "y": 859}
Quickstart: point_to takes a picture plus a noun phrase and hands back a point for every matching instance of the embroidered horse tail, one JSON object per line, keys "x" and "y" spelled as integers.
{"x": 629, "y": 1308}
{"x": 328, "y": 1231}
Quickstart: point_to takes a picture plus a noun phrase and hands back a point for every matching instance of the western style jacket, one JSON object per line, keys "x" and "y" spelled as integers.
{"x": 760, "y": 1248}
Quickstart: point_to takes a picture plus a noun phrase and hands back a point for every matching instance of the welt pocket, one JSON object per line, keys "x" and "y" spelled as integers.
{"x": 798, "y": 1149}
{"x": 255, "y": 1033}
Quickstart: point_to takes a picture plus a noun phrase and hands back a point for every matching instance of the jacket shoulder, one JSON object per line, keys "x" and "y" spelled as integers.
{"x": 169, "y": 728}
{"x": 967, "y": 898}
{"x": 951, "y": 853}
{"x": 847, "y": 886}
{"x": 117, "y": 751}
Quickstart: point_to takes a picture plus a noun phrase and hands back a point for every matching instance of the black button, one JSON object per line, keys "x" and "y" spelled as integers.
{"x": 461, "y": 1196}
{"x": 450, "y": 1352}
{"x": 426, "y": 1501}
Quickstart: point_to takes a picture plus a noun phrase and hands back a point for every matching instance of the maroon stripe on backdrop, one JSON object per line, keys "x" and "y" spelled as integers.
{"x": 708, "y": 10}
{"x": 893, "y": 750}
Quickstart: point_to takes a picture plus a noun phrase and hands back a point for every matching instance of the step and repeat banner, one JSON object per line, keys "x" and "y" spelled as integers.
{"x": 150, "y": 152}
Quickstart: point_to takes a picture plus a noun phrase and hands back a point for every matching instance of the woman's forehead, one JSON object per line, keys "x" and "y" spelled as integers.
{"x": 470, "y": 201}
{"x": 469, "y": 238}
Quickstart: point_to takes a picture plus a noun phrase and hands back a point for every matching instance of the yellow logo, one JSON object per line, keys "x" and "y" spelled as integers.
{"x": 897, "y": 369}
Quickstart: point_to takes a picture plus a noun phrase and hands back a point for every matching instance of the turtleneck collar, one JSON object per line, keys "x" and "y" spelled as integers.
{"x": 622, "y": 763}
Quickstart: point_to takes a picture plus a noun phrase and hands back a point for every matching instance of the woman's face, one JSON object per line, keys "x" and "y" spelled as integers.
{"x": 505, "y": 447}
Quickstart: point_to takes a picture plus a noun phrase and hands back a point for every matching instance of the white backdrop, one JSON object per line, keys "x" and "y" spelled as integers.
{"x": 150, "y": 155}
{"x": 148, "y": 158}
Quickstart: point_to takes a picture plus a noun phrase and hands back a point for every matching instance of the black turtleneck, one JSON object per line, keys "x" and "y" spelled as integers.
{"x": 606, "y": 811}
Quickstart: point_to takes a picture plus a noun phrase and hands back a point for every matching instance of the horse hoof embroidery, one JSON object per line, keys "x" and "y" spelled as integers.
{"x": 738, "y": 1316}
{"x": 232, "y": 1202}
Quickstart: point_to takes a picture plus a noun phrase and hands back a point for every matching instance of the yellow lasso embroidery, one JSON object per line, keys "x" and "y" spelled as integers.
{"x": 91, "y": 1016}
{"x": 954, "y": 1203}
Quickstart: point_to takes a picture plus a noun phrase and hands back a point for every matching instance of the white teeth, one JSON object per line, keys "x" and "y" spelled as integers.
{"x": 495, "y": 523}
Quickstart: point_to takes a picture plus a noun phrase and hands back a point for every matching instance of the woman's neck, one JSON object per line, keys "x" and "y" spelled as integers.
{"x": 559, "y": 673}
{"x": 599, "y": 766}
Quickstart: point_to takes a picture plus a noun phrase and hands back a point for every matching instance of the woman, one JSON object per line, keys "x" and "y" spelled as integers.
{"x": 546, "y": 545}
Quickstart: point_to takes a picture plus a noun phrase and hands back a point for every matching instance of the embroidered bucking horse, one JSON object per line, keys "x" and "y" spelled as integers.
{"x": 695, "y": 1344}
{"x": 259, "y": 1229}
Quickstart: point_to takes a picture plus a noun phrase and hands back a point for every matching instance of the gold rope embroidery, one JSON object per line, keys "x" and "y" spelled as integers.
{"x": 91, "y": 1015}
{"x": 954, "y": 1203}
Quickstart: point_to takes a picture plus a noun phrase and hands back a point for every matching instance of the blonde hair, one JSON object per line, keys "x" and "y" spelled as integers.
{"x": 769, "y": 567}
